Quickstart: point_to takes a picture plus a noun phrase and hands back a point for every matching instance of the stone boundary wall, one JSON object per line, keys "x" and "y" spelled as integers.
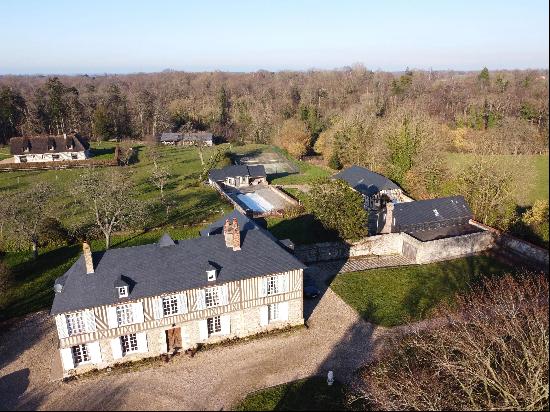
{"x": 398, "y": 244}
{"x": 218, "y": 188}
{"x": 447, "y": 248}
{"x": 277, "y": 190}
{"x": 519, "y": 247}
{"x": 380, "y": 245}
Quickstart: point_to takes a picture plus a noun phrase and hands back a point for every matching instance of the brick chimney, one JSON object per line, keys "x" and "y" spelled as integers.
{"x": 389, "y": 218}
{"x": 236, "y": 235}
{"x": 88, "y": 258}
{"x": 228, "y": 233}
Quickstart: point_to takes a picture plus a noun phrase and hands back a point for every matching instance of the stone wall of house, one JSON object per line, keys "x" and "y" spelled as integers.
{"x": 389, "y": 244}
{"x": 243, "y": 323}
{"x": 395, "y": 244}
{"x": 448, "y": 248}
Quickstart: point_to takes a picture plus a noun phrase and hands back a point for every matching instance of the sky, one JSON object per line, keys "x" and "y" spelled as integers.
{"x": 122, "y": 36}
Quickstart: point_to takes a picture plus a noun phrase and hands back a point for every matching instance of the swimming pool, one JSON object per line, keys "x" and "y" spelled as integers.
{"x": 255, "y": 202}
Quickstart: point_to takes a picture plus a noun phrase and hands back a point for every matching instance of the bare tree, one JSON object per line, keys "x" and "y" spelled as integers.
{"x": 160, "y": 176}
{"x": 491, "y": 353}
{"x": 109, "y": 200}
{"x": 26, "y": 211}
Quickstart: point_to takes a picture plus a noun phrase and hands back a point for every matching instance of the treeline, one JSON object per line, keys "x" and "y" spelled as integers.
{"x": 497, "y": 107}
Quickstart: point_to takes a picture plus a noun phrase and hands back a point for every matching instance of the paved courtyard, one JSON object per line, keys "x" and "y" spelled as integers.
{"x": 335, "y": 339}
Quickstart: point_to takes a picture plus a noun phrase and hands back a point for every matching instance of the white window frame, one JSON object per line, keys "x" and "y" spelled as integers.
{"x": 212, "y": 297}
{"x": 122, "y": 291}
{"x": 272, "y": 285}
{"x": 75, "y": 323}
{"x": 129, "y": 344}
{"x": 214, "y": 325}
{"x": 81, "y": 352}
{"x": 170, "y": 305}
{"x": 273, "y": 312}
{"x": 125, "y": 314}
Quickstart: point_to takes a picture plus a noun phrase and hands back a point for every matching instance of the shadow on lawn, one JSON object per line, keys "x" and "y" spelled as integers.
{"x": 458, "y": 276}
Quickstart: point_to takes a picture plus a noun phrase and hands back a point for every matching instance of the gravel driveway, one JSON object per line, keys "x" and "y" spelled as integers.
{"x": 336, "y": 339}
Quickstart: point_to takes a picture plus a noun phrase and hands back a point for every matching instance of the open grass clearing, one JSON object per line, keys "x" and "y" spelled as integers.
{"x": 530, "y": 172}
{"x": 394, "y": 296}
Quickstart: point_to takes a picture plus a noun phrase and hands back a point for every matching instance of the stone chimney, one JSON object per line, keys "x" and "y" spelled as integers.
{"x": 236, "y": 235}
{"x": 389, "y": 218}
{"x": 88, "y": 258}
{"x": 228, "y": 233}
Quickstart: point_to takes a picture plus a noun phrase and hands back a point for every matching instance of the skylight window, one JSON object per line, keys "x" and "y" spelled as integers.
{"x": 436, "y": 212}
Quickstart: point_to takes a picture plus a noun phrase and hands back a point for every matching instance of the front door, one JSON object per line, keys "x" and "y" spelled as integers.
{"x": 173, "y": 339}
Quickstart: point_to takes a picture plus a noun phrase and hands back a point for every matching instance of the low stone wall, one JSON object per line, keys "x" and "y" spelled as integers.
{"x": 218, "y": 188}
{"x": 380, "y": 245}
{"x": 534, "y": 254}
{"x": 447, "y": 248}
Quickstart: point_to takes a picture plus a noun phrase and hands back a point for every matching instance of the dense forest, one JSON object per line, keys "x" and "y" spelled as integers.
{"x": 252, "y": 107}
{"x": 400, "y": 124}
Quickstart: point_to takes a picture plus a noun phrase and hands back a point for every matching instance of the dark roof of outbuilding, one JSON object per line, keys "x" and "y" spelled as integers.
{"x": 48, "y": 144}
{"x": 365, "y": 181}
{"x": 170, "y": 137}
{"x": 431, "y": 211}
{"x": 237, "y": 170}
{"x": 155, "y": 270}
{"x": 191, "y": 136}
{"x": 444, "y": 232}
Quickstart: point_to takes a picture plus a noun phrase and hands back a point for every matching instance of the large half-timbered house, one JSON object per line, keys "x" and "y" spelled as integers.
{"x": 129, "y": 303}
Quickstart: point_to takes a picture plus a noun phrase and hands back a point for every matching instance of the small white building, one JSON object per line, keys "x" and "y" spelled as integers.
{"x": 49, "y": 148}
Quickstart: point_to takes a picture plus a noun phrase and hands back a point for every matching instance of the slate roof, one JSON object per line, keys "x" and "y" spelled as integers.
{"x": 245, "y": 223}
{"x": 48, "y": 144}
{"x": 365, "y": 181}
{"x": 193, "y": 136}
{"x": 443, "y": 232}
{"x": 170, "y": 137}
{"x": 423, "y": 212}
{"x": 237, "y": 170}
{"x": 155, "y": 270}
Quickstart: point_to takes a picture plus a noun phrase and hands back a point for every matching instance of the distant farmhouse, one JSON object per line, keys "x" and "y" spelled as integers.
{"x": 239, "y": 175}
{"x": 391, "y": 211}
{"x": 129, "y": 303}
{"x": 377, "y": 190}
{"x": 49, "y": 148}
{"x": 187, "y": 139}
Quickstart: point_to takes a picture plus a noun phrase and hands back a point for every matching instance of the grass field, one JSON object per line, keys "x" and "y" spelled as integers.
{"x": 312, "y": 394}
{"x": 394, "y": 296}
{"x": 530, "y": 172}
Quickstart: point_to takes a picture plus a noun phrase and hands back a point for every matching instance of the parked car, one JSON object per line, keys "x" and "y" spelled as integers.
{"x": 311, "y": 291}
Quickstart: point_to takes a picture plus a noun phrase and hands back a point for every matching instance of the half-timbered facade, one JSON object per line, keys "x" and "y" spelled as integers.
{"x": 174, "y": 296}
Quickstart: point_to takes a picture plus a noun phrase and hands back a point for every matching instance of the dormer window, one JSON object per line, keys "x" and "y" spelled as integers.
{"x": 122, "y": 291}
{"x": 211, "y": 275}
{"x": 211, "y": 272}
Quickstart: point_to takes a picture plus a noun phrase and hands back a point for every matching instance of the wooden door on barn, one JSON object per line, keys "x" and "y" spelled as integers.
{"x": 173, "y": 339}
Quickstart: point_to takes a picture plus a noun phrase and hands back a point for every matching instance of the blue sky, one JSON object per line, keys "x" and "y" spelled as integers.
{"x": 120, "y": 36}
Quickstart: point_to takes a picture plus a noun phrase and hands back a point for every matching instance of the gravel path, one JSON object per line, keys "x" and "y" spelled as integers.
{"x": 336, "y": 339}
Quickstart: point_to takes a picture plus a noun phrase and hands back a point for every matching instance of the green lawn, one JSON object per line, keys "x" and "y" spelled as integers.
{"x": 394, "y": 296}
{"x": 312, "y": 394}
{"x": 531, "y": 173}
